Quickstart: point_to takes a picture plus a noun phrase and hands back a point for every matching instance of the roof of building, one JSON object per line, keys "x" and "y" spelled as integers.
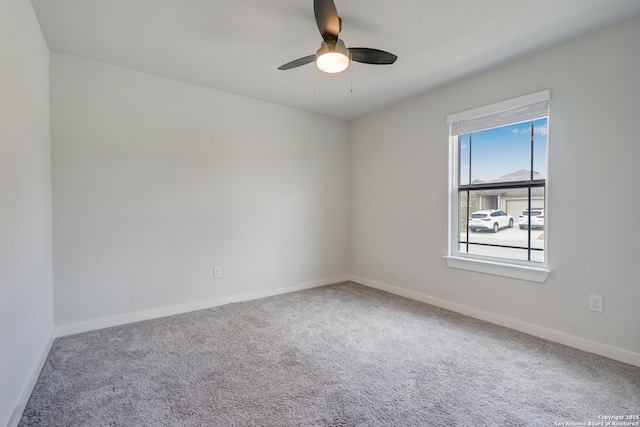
{"x": 519, "y": 175}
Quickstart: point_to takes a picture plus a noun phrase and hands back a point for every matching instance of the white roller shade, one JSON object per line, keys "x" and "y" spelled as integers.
{"x": 524, "y": 108}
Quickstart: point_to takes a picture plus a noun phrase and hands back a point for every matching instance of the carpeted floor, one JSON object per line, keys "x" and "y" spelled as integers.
{"x": 339, "y": 355}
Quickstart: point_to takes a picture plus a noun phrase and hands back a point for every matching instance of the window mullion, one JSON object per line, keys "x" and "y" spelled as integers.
{"x": 529, "y": 225}
{"x": 469, "y": 193}
{"x": 529, "y": 196}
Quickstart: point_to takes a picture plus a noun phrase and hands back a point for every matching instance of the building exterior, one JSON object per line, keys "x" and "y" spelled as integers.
{"x": 511, "y": 200}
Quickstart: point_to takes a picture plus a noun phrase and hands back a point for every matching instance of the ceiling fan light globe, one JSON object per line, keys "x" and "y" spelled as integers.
{"x": 333, "y": 59}
{"x": 332, "y": 62}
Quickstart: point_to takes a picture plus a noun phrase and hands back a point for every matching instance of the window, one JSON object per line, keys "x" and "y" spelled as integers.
{"x": 498, "y": 169}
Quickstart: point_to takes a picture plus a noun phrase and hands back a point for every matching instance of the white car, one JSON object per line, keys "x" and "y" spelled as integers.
{"x": 490, "y": 219}
{"x": 536, "y": 218}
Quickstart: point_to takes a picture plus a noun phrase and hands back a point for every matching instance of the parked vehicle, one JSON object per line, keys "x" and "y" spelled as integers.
{"x": 490, "y": 219}
{"x": 536, "y": 218}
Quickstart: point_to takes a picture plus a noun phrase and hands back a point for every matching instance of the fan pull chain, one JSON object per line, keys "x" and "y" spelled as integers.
{"x": 314, "y": 80}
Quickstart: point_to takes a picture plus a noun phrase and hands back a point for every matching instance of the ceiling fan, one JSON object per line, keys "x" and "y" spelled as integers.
{"x": 333, "y": 56}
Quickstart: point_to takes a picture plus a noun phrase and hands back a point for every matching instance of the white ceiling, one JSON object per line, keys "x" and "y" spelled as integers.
{"x": 236, "y": 46}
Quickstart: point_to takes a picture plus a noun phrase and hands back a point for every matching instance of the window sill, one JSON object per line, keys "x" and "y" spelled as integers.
{"x": 523, "y": 272}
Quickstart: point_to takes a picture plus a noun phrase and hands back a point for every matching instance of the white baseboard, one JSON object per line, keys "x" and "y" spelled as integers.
{"x": 27, "y": 389}
{"x": 528, "y": 328}
{"x": 107, "y": 322}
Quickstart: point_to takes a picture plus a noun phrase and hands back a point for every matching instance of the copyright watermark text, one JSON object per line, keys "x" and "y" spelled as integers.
{"x": 605, "y": 421}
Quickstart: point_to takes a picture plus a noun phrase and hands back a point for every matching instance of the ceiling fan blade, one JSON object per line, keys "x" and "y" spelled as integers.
{"x": 297, "y": 62}
{"x": 327, "y": 20}
{"x": 371, "y": 56}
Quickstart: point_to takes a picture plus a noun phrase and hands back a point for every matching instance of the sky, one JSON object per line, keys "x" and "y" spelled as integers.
{"x": 500, "y": 151}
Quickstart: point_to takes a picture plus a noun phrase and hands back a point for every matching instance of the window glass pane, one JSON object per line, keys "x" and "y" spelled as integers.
{"x": 540, "y": 134}
{"x": 463, "y": 211}
{"x": 502, "y": 154}
{"x": 463, "y": 151}
{"x": 503, "y": 236}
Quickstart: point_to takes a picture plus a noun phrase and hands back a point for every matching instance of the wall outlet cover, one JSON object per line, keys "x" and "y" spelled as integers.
{"x": 596, "y": 303}
{"x": 217, "y": 272}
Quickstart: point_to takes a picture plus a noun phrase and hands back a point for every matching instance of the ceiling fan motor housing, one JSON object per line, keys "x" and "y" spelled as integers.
{"x": 338, "y": 47}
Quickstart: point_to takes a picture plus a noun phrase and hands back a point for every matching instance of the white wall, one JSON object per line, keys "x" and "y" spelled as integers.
{"x": 26, "y": 301}
{"x": 399, "y": 195}
{"x": 156, "y": 181}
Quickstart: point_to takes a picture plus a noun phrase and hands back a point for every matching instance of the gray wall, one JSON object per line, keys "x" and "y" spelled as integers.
{"x": 156, "y": 181}
{"x": 26, "y": 303}
{"x": 399, "y": 167}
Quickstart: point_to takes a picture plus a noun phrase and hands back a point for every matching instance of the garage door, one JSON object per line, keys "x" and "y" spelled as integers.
{"x": 515, "y": 207}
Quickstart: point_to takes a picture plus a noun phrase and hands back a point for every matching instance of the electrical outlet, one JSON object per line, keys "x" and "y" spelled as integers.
{"x": 217, "y": 272}
{"x": 596, "y": 303}
{"x": 383, "y": 262}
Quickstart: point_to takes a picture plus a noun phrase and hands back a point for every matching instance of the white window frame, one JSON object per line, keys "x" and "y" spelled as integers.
{"x": 525, "y": 270}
